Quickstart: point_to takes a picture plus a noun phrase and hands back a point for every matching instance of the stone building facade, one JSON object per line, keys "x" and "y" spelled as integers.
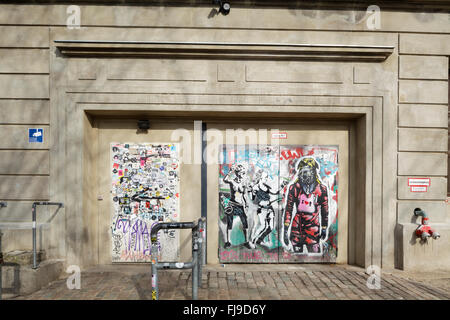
{"x": 342, "y": 73}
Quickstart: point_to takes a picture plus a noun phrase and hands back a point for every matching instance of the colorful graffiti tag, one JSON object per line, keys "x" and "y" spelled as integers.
{"x": 145, "y": 191}
{"x": 278, "y": 203}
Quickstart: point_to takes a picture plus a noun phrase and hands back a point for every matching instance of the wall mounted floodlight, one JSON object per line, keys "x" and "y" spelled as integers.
{"x": 143, "y": 124}
{"x": 224, "y": 6}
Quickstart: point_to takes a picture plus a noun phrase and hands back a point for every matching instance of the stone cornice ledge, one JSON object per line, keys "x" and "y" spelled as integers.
{"x": 222, "y": 50}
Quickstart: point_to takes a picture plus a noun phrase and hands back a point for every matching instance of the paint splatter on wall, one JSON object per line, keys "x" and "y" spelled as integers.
{"x": 145, "y": 191}
{"x": 278, "y": 204}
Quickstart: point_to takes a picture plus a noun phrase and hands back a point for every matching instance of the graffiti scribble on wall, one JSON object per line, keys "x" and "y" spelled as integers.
{"x": 145, "y": 191}
{"x": 278, "y": 203}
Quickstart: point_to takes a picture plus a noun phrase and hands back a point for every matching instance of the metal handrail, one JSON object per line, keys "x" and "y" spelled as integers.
{"x": 2, "y": 205}
{"x": 33, "y": 210}
{"x": 33, "y": 213}
{"x": 198, "y": 237}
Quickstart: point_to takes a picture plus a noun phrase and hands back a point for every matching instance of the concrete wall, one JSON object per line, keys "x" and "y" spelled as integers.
{"x": 412, "y": 84}
{"x": 423, "y": 144}
{"x": 24, "y": 103}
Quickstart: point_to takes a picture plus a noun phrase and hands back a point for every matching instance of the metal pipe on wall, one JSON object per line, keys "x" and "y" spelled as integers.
{"x": 194, "y": 266}
{"x": 204, "y": 188}
{"x": 425, "y": 231}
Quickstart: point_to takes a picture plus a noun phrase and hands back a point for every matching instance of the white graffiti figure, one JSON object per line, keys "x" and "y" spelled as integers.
{"x": 237, "y": 204}
{"x": 263, "y": 196}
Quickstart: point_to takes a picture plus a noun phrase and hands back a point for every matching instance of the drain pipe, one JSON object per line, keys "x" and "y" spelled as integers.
{"x": 2, "y": 205}
{"x": 33, "y": 213}
{"x": 424, "y": 231}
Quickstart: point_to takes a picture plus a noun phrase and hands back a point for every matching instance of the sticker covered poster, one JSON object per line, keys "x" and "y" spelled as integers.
{"x": 145, "y": 191}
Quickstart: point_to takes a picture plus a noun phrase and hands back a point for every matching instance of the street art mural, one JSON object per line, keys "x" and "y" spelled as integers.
{"x": 145, "y": 191}
{"x": 248, "y": 196}
{"x": 309, "y": 206}
{"x": 278, "y": 203}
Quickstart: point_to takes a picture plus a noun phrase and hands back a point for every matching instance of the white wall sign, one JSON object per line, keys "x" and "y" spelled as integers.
{"x": 279, "y": 135}
{"x": 418, "y": 189}
{"x": 419, "y": 184}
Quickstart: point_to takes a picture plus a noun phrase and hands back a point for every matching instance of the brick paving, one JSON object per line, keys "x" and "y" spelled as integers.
{"x": 241, "y": 282}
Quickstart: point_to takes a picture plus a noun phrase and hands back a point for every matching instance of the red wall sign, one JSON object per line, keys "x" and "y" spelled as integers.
{"x": 419, "y": 184}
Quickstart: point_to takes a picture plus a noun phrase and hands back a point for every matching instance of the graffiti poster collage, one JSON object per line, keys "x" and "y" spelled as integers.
{"x": 145, "y": 191}
{"x": 278, "y": 203}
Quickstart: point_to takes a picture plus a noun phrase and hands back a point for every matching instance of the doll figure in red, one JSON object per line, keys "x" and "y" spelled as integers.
{"x": 425, "y": 231}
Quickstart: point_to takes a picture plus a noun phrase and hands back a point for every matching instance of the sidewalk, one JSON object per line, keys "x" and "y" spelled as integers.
{"x": 253, "y": 282}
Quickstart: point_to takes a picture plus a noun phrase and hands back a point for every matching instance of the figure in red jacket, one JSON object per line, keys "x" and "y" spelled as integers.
{"x": 309, "y": 197}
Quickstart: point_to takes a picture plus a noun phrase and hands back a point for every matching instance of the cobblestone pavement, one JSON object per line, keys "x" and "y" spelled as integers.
{"x": 238, "y": 282}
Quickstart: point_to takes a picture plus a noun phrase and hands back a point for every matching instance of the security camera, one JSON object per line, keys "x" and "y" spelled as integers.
{"x": 144, "y": 124}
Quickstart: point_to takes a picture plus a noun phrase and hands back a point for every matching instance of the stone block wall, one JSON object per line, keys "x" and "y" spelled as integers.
{"x": 423, "y": 49}
{"x": 423, "y": 145}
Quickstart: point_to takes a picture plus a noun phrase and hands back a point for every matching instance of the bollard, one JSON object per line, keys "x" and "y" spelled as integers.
{"x": 195, "y": 264}
{"x": 202, "y": 246}
{"x": 195, "y": 268}
{"x": 154, "y": 266}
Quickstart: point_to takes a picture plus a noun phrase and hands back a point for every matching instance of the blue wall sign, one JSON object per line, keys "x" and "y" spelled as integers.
{"x": 36, "y": 135}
